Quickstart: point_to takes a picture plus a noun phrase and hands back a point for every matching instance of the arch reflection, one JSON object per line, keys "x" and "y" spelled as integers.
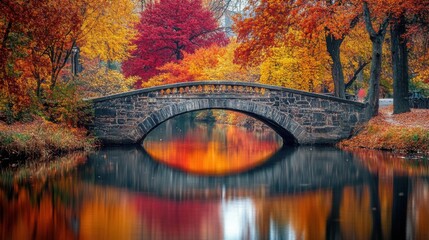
{"x": 212, "y": 148}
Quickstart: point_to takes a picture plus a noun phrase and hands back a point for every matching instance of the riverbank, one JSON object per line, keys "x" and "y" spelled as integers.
{"x": 406, "y": 132}
{"x": 41, "y": 139}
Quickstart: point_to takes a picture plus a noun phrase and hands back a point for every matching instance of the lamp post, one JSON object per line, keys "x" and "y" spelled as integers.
{"x": 75, "y": 60}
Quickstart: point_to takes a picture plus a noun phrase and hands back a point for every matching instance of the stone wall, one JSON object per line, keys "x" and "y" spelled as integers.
{"x": 300, "y": 117}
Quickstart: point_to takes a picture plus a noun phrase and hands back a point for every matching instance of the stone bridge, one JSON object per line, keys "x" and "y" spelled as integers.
{"x": 299, "y": 117}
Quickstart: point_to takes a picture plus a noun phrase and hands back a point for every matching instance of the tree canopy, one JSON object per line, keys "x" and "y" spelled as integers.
{"x": 167, "y": 30}
{"x": 39, "y": 37}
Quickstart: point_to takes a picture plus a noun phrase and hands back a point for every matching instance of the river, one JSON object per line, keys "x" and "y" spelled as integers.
{"x": 192, "y": 180}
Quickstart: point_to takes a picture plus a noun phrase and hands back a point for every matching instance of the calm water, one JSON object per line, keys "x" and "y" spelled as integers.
{"x": 202, "y": 181}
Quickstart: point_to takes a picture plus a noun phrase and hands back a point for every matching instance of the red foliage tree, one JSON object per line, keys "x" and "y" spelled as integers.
{"x": 167, "y": 29}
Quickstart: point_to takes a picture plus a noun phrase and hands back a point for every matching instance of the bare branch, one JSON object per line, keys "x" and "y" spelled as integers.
{"x": 354, "y": 77}
{"x": 368, "y": 22}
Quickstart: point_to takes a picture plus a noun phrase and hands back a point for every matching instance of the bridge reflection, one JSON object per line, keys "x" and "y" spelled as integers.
{"x": 290, "y": 170}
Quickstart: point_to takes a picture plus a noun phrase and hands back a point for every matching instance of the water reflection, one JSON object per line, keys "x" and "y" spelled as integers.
{"x": 301, "y": 193}
{"x": 289, "y": 170}
{"x": 210, "y": 149}
{"x": 92, "y": 211}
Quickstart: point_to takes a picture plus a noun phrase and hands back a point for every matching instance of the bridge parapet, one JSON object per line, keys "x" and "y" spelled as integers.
{"x": 219, "y": 87}
{"x": 300, "y": 117}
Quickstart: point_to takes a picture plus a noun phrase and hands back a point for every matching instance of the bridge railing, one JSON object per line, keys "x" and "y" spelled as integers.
{"x": 213, "y": 89}
{"x": 217, "y": 87}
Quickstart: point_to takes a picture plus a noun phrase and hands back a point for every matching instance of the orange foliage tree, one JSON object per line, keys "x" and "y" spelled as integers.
{"x": 271, "y": 21}
{"x": 212, "y": 63}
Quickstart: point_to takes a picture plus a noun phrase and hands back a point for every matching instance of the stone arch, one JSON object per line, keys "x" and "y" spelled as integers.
{"x": 290, "y": 130}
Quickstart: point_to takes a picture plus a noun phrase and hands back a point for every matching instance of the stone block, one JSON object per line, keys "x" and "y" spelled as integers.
{"x": 326, "y": 130}
{"x": 103, "y": 112}
{"x": 315, "y": 103}
{"x": 319, "y": 117}
{"x": 353, "y": 119}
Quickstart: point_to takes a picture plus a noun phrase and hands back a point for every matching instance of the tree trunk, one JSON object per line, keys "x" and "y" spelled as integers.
{"x": 377, "y": 39}
{"x": 4, "y": 53}
{"x": 38, "y": 88}
{"x": 333, "y": 46}
{"x": 375, "y": 73}
{"x": 399, "y": 66}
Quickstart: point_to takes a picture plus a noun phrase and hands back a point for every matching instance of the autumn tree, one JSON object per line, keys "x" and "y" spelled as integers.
{"x": 407, "y": 19}
{"x": 35, "y": 46}
{"x": 54, "y": 35}
{"x": 50, "y": 29}
{"x": 211, "y": 63}
{"x": 13, "y": 43}
{"x": 107, "y": 30}
{"x": 410, "y": 19}
{"x": 270, "y": 22}
{"x": 356, "y": 52}
{"x": 419, "y": 62}
{"x": 167, "y": 30}
{"x": 98, "y": 81}
{"x": 296, "y": 65}
{"x": 227, "y": 69}
{"x": 38, "y": 37}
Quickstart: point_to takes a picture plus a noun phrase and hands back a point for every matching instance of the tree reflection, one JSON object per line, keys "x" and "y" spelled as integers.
{"x": 306, "y": 193}
{"x": 399, "y": 208}
{"x": 377, "y": 232}
{"x": 333, "y": 221}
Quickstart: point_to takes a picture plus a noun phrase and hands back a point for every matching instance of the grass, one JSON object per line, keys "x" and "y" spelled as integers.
{"x": 42, "y": 139}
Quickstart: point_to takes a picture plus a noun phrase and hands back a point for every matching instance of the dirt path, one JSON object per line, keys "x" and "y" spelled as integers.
{"x": 415, "y": 118}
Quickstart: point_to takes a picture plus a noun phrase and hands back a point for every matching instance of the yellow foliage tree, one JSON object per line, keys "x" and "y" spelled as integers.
{"x": 297, "y": 66}
{"x": 355, "y": 50}
{"x": 107, "y": 29}
{"x": 227, "y": 69}
{"x": 98, "y": 82}
{"x": 356, "y": 59}
{"x": 302, "y": 64}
